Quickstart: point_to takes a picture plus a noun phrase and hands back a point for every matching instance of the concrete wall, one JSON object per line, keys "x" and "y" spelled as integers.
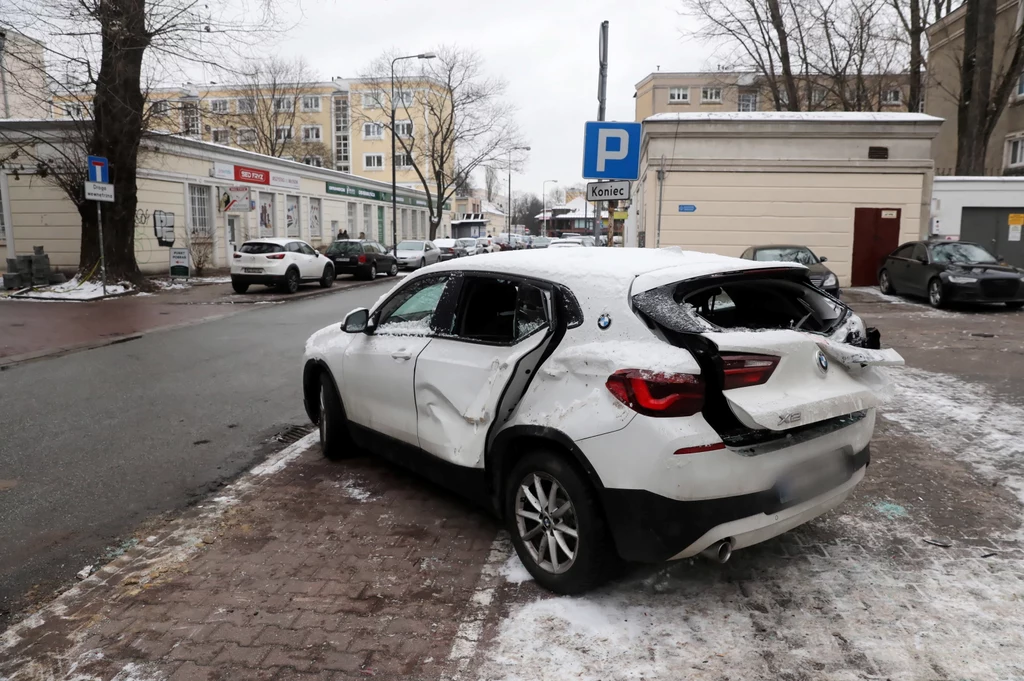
{"x": 41, "y": 215}
{"x": 950, "y": 195}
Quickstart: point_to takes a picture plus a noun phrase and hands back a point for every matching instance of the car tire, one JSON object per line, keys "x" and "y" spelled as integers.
{"x": 327, "y": 280}
{"x": 885, "y": 283}
{"x": 291, "y": 281}
{"x": 393, "y": 270}
{"x": 936, "y": 296}
{"x": 371, "y": 274}
{"x": 593, "y": 558}
{"x": 1015, "y": 305}
{"x": 423, "y": 263}
{"x": 335, "y": 438}
{"x": 239, "y": 286}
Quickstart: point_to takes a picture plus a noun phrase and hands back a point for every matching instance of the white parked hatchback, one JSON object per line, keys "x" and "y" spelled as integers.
{"x": 284, "y": 263}
{"x": 640, "y": 404}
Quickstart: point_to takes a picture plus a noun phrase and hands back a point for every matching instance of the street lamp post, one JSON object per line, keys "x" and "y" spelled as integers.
{"x": 394, "y": 170}
{"x": 544, "y": 204}
{"x": 508, "y": 207}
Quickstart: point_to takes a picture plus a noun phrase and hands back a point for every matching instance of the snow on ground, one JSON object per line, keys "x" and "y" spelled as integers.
{"x": 514, "y": 571}
{"x": 74, "y": 289}
{"x": 179, "y": 284}
{"x": 874, "y": 291}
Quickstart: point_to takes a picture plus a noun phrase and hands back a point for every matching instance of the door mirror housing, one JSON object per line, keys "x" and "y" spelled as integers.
{"x": 922, "y": 259}
{"x": 356, "y": 321}
{"x": 822, "y": 259}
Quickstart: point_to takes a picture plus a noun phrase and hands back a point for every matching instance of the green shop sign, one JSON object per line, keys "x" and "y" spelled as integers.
{"x": 374, "y": 195}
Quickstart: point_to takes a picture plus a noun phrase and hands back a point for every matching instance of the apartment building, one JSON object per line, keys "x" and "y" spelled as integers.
{"x": 946, "y": 40}
{"x": 23, "y": 92}
{"x": 720, "y": 91}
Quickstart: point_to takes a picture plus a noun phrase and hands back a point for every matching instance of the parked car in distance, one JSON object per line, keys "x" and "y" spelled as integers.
{"x": 821, "y": 276}
{"x": 485, "y": 244}
{"x": 745, "y": 397}
{"x": 540, "y": 242}
{"x": 362, "y": 258}
{"x": 285, "y": 263}
{"x": 450, "y": 248}
{"x": 470, "y": 245}
{"x": 504, "y": 242}
{"x": 413, "y": 254}
{"x": 565, "y": 243}
{"x": 951, "y": 272}
{"x": 582, "y": 239}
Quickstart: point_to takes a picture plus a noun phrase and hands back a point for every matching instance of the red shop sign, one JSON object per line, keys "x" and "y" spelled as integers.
{"x": 254, "y": 175}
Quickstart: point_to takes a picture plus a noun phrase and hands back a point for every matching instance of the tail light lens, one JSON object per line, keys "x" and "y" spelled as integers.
{"x": 275, "y": 256}
{"x": 742, "y": 371}
{"x": 656, "y": 394}
{"x": 237, "y": 256}
{"x": 362, "y": 259}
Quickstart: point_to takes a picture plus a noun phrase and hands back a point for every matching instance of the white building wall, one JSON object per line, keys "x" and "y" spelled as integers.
{"x": 950, "y": 195}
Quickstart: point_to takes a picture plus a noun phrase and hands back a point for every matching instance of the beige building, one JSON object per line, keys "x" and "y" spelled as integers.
{"x": 718, "y": 91}
{"x": 851, "y": 186}
{"x": 946, "y": 47}
{"x": 23, "y": 92}
{"x": 182, "y": 182}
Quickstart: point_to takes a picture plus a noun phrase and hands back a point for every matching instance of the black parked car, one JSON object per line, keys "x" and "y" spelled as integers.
{"x": 820, "y": 276}
{"x": 365, "y": 259}
{"x": 951, "y": 271}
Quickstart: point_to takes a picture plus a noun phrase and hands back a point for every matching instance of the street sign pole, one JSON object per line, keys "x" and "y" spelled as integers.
{"x": 602, "y": 87}
{"x": 98, "y": 189}
{"x": 103, "y": 257}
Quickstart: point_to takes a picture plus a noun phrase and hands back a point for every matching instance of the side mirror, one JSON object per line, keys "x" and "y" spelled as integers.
{"x": 822, "y": 259}
{"x": 356, "y": 321}
{"x": 922, "y": 259}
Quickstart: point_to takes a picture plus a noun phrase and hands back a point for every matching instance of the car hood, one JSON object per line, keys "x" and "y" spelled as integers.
{"x": 981, "y": 268}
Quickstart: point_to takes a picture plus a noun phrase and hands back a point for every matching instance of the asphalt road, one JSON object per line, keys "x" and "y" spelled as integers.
{"x": 94, "y": 443}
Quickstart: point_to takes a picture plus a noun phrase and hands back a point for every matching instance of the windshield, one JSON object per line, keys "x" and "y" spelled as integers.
{"x": 260, "y": 247}
{"x": 410, "y": 246}
{"x": 484, "y": 242}
{"x": 541, "y": 241}
{"x": 960, "y": 252}
{"x": 798, "y": 254}
{"x": 346, "y": 247}
{"x": 467, "y": 242}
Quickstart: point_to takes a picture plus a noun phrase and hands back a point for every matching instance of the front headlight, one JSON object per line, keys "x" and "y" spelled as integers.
{"x": 830, "y": 280}
{"x": 953, "y": 279}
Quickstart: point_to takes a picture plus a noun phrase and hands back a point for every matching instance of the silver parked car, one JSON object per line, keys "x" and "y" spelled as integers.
{"x": 417, "y": 253}
{"x": 469, "y": 243}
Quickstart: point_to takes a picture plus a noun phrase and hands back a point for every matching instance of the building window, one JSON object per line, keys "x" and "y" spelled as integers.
{"x": 817, "y": 95}
{"x": 314, "y": 218}
{"x": 748, "y": 101}
{"x": 221, "y": 136}
{"x": 373, "y": 99}
{"x": 403, "y": 128}
{"x": 711, "y": 95}
{"x": 403, "y": 160}
{"x": 679, "y": 95}
{"x": 892, "y": 97}
{"x": 284, "y": 104}
{"x": 199, "y": 205}
{"x": 1020, "y": 86}
{"x": 291, "y": 214}
{"x": 246, "y": 136}
{"x": 247, "y": 105}
{"x": 368, "y": 220}
{"x": 219, "y": 106}
{"x": 353, "y": 230}
{"x": 159, "y": 108}
{"x": 403, "y": 98}
{"x": 335, "y": 229}
{"x": 1016, "y": 152}
{"x": 284, "y": 133}
{"x": 373, "y": 131}
{"x": 313, "y": 160}
{"x": 341, "y": 136}
{"x": 190, "y": 118}
{"x": 373, "y": 161}
{"x": 311, "y": 133}
{"x": 311, "y": 103}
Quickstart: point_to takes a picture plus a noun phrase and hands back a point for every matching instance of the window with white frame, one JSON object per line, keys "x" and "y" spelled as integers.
{"x": 75, "y": 110}
{"x": 403, "y": 128}
{"x": 284, "y": 133}
{"x": 312, "y": 133}
{"x": 373, "y": 131}
{"x": 311, "y": 102}
{"x": 199, "y": 210}
{"x": 712, "y": 95}
{"x": 190, "y": 118}
{"x": 246, "y": 136}
{"x": 1015, "y": 152}
{"x": 247, "y": 105}
{"x": 284, "y": 104}
{"x": 373, "y": 161}
{"x": 221, "y": 136}
{"x": 404, "y": 98}
{"x": 315, "y": 228}
{"x": 1020, "y": 86}
{"x": 219, "y": 106}
{"x": 368, "y": 220}
{"x": 679, "y": 95}
{"x": 313, "y": 160}
{"x": 403, "y": 160}
{"x": 374, "y": 99}
{"x": 353, "y": 229}
{"x": 892, "y": 97}
{"x": 748, "y": 101}
{"x": 161, "y": 107}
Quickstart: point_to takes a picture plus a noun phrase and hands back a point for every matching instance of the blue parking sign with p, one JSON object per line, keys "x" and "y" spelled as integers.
{"x": 97, "y": 168}
{"x": 611, "y": 151}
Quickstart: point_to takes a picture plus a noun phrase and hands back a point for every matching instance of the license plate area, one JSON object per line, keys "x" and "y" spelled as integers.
{"x": 813, "y": 477}
{"x": 252, "y": 270}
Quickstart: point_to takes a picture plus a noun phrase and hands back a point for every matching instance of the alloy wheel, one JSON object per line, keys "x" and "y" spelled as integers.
{"x": 373, "y": 271}
{"x": 323, "y": 421}
{"x": 394, "y": 269}
{"x": 935, "y": 293}
{"x": 883, "y": 282}
{"x": 547, "y": 523}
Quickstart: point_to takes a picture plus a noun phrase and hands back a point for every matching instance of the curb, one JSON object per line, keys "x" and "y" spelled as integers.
{"x": 285, "y": 298}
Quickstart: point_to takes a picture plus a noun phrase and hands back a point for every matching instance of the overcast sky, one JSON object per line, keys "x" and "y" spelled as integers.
{"x": 545, "y": 49}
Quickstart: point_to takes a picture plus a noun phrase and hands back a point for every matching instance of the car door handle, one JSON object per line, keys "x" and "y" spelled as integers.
{"x": 401, "y": 354}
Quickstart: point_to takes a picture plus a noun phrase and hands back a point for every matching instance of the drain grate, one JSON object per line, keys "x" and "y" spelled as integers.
{"x": 292, "y": 434}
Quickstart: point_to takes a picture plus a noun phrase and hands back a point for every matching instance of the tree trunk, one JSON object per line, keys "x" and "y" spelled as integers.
{"x": 916, "y": 58}
{"x": 784, "y": 59}
{"x": 975, "y": 86}
{"x": 117, "y": 113}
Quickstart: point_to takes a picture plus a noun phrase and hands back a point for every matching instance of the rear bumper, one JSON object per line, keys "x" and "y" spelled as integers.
{"x": 346, "y": 268}
{"x": 266, "y": 279}
{"x": 648, "y": 527}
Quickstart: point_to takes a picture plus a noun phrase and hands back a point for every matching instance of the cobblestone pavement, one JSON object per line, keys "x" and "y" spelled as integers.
{"x": 313, "y": 569}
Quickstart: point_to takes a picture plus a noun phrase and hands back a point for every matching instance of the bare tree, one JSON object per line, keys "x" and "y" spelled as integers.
{"x": 491, "y": 181}
{"x": 525, "y": 209}
{"x": 466, "y": 122}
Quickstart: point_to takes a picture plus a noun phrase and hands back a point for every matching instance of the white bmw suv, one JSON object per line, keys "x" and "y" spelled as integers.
{"x": 609, "y": 404}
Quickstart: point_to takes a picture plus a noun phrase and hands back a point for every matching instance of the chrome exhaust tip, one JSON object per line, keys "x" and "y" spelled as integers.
{"x": 719, "y": 552}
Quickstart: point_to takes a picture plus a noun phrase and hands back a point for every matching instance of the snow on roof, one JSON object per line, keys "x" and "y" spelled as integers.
{"x": 815, "y": 116}
{"x": 488, "y": 207}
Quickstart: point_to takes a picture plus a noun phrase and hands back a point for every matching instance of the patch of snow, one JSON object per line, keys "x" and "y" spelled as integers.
{"x": 134, "y": 671}
{"x": 74, "y": 289}
{"x": 418, "y": 327}
{"x": 353, "y": 490}
{"x": 877, "y": 293}
{"x": 514, "y": 571}
{"x": 277, "y": 462}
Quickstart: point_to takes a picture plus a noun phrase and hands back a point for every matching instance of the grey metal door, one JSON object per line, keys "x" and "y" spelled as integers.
{"x": 991, "y": 228}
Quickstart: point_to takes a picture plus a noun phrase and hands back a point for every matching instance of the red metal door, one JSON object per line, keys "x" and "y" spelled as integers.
{"x": 876, "y": 234}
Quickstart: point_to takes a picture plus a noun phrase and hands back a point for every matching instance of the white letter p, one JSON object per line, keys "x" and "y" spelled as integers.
{"x": 604, "y": 153}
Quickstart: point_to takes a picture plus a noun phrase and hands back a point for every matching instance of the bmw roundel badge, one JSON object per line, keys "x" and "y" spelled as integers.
{"x": 822, "y": 362}
{"x": 604, "y": 321}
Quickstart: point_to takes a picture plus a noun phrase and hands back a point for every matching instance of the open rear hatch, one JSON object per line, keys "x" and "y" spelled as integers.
{"x": 776, "y": 353}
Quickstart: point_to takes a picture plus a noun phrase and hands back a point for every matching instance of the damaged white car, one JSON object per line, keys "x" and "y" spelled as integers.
{"x": 610, "y": 405}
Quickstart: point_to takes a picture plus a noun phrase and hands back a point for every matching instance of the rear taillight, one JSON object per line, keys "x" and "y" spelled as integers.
{"x": 237, "y": 256}
{"x": 742, "y": 371}
{"x": 276, "y": 256}
{"x": 655, "y": 394}
{"x": 362, "y": 259}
